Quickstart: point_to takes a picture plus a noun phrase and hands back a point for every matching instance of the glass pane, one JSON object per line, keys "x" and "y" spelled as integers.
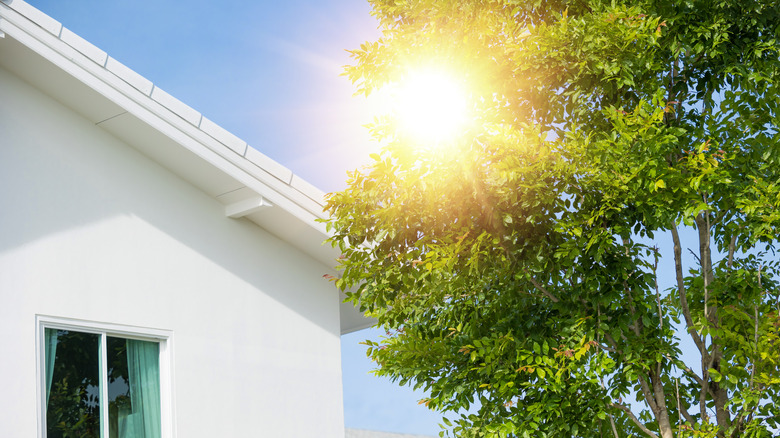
{"x": 133, "y": 388}
{"x": 118, "y": 389}
{"x": 72, "y": 374}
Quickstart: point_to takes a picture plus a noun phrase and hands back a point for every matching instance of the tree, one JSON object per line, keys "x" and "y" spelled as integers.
{"x": 603, "y": 232}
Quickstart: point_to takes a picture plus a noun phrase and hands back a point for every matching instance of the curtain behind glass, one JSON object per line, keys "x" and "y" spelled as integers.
{"x": 50, "y": 352}
{"x": 143, "y": 367}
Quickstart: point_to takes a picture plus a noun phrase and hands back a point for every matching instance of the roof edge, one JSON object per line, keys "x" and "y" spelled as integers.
{"x": 189, "y": 121}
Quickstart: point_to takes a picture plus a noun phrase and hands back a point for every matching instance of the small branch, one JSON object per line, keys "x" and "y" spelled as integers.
{"x": 679, "y": 406}
{"x": 606, "y": 348}
{"x": 706, "y": 364}
{"x": 612, "y": 341}
{"x": 614, "y": 429}
{"x": 541, "y": 288}
{"x": 657, "y": 293}
{"x": 685, "y": 368}
{"x": 687, "y": 416}
{"x": 755, "y": 339}
{"x": 598, "y": 322}
{"x": 680, "y": 409}
{"x": 719, "y": 217}
{"x": 637, "y": 326}
{"x": 755, "y": 327}
{"x": 739, "y": 421}
{"x": 681, "y": 291}
{"x": 636, "y": 421}
{"x": 705, "y": 260}
{"x": 732, "y": 248}
{"x": 695, "y": 256}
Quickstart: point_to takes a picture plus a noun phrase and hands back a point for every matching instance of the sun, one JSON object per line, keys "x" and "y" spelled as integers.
{"x": 431, "y": 106}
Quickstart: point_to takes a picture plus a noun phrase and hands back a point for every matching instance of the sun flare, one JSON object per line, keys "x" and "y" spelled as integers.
{"x": 431, "y": 106}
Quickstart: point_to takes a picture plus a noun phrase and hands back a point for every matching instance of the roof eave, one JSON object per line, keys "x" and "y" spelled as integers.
{"x": 249, "y": 184}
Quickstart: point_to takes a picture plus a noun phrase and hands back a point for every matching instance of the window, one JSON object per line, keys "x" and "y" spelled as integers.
{"x": 100, "y": 381}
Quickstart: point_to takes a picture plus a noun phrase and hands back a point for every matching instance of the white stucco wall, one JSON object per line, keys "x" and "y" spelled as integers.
{"x": 93, "y": 230}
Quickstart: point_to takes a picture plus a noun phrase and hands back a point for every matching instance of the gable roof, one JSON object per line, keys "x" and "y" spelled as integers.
{"x": 249, "y": 184}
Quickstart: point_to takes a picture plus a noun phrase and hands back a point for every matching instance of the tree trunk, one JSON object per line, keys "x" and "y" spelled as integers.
{"x": 664, "y": 425}
{"x": 720, "y": 395}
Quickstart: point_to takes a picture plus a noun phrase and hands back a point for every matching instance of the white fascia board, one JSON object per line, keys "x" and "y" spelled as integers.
{"x": 100, "y": 57}
{"x": 180, "y": 108}
{"x": 223, "y": 136}
{"x": 128, "y": 75}
{"x": 307, "y": 189}
{"x": 40, "y": 19}
{"x": 157, "y": 116}
{"x": 267, "y": 164}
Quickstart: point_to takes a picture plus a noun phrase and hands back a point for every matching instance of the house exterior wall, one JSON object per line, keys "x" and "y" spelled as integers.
{"x": 93, "y": 230}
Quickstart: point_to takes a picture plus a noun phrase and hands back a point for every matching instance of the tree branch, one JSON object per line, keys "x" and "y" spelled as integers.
{"x": 755, "y": 328}
{"x": 635, "y": 420}
{"x": 637, "y": 326}
{"x": 662, "y": 416}
{"x": 648, "y": 395}
{"x": 683, "y": 411}
{"x": 541, "y": 288}
{"x": 720, "y": 395}
{"x": 614, "y": 428}
{"x": 705, "y": 259}
{"x": 657, "y": 292}
{"x": 681, "y": 291}
{"x": 612, "y": 341}
{"x": 691, "y": 373}
{"x": 732, "y": 248}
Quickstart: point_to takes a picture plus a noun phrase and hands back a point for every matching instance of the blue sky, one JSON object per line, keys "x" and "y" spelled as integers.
{"x": 268, "y": 71}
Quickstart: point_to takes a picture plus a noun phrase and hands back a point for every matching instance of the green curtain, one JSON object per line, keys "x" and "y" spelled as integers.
{"x": 50, "y": 351}
{"x": 143, "y": 366}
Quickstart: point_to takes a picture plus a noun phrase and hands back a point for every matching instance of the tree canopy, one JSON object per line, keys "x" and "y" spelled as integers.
{"x": 594, "y": 254}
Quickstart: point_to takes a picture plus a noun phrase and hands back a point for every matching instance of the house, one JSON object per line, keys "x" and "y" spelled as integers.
{"x": 158, "y": 276}
{"x": 360, "y": 433}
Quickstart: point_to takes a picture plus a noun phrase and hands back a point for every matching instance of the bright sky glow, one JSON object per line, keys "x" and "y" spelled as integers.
{"x": 431, "y": 106}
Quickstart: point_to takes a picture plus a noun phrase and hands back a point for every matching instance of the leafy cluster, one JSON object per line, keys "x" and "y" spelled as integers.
{"x": 594, "y": 256}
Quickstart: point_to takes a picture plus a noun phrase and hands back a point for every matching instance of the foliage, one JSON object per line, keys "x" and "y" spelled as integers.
{"x": 526, "y": 272}
{"x": 73, "y": 406}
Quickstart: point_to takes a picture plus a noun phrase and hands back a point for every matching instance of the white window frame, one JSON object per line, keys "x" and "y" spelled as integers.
{"x": 163, "y": 337}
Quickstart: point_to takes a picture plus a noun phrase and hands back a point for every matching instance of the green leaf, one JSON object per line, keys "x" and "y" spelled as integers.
{"x": 715, "y": 375}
